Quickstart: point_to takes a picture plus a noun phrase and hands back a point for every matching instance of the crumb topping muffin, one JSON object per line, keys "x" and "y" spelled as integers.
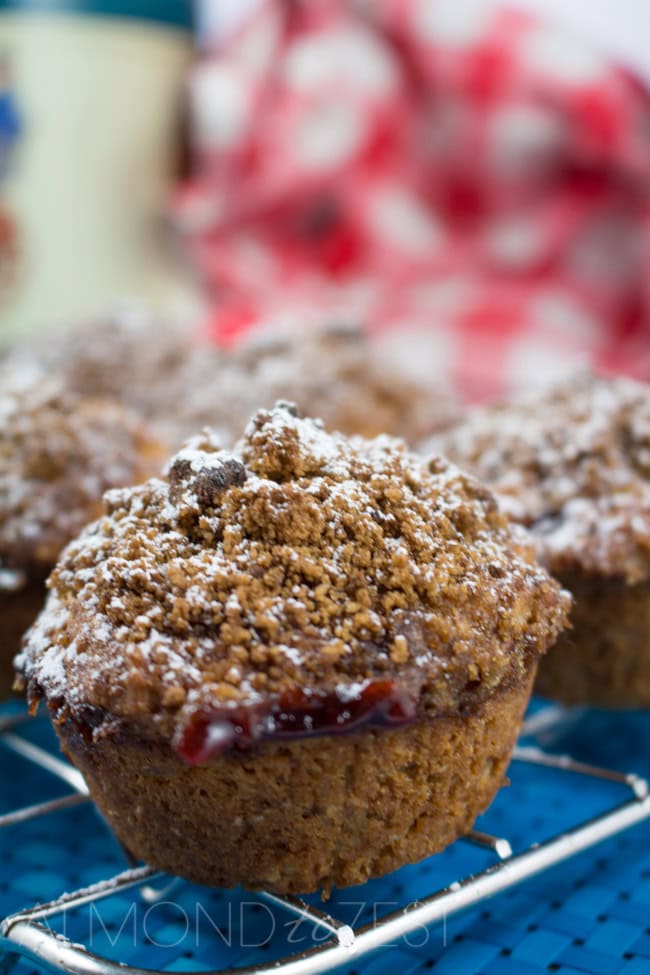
{"x": 297, "y": 664}
{"x": 149, "y": 364}
{"x": 335, "y": 373}
{"x": 572, "y": 464}
{"x": 305, "y": 564}
{"x": 179, "y": 385}
{"x": 58, "y": 454}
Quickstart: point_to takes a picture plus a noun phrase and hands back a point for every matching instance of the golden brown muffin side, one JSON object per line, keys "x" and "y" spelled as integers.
{"x": 18, "y": 610}
{"x": 604, "y": 659}
{"x": 297, "y": 816}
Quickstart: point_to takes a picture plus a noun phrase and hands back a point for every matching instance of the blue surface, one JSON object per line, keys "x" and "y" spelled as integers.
{"x": 591, "y": 914}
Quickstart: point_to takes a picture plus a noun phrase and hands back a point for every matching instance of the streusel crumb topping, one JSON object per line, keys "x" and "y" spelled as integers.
{"x": 572, "y": 464}
{"x": 59, "y": 453}
{"x": 337, "y": 373}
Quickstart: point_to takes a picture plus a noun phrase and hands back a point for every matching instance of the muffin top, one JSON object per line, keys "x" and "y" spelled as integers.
{"x": 335, "y": 373}
{"x": 148, "y": 363}
{"x": 304, "y": 582}
{"x": 572, "y": 463}
{"x": 179, "y": 385}
{"x": 58, "y": 454}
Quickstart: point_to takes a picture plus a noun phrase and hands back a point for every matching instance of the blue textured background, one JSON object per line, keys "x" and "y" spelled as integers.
{"x": 592, "y": 914}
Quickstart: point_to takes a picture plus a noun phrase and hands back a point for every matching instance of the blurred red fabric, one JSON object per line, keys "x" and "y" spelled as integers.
{"x": 472, "y": 183}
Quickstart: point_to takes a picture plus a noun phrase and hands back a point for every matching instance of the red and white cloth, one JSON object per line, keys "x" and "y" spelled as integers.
{"x": 470, "y": 181}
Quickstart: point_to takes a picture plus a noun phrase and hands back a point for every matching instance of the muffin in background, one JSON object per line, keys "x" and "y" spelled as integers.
{"x": 313, "y": 642}
{"x": 59, "y": 452}
{"x": 572, "y": 464}
{"x": 148, "y": 363}
{"x": 337, "y": 374}
{"x": 180, "y": 385}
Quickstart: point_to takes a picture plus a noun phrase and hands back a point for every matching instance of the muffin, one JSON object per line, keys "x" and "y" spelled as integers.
{"x": 58, "y": 454}
{"x": 572, "y": 464}
{"x": 300, "y": 664}
{"x": 179, "y": 386}
{"x": 338, "y": 374}
{"x": 147, "y": 363}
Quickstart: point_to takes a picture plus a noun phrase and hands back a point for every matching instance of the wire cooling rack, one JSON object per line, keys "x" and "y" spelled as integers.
{"x": 107, "y": 926}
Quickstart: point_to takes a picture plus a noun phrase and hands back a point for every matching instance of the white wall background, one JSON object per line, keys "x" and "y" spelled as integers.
{"x": 620, "y": 28}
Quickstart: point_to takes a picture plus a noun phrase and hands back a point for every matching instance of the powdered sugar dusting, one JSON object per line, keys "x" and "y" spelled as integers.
{"x": 58, "y": 453}
{"x": 337, "y": 373}
{"x": 573, "y": 464}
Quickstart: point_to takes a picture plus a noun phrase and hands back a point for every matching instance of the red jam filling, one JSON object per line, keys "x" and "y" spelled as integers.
{"x": 211, "y": 731}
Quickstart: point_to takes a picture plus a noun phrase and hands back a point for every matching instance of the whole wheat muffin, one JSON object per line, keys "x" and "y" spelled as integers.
{"x": 297, "y": 665}
{"x": 572, "y": 463}
{"x": 148, "y": 363}
{"x": 58, "y": 454}
{"x": 338, "y": 374}
{"x": 179, "y": 385}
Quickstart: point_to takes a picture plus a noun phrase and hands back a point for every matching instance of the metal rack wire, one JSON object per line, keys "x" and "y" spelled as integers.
{"x": 27, "y": 934}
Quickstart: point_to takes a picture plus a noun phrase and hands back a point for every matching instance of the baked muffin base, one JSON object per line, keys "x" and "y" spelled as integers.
{"x": 605, "y": 658}
{"x": 18, "y": 610}
{"x": 296, "y": 816}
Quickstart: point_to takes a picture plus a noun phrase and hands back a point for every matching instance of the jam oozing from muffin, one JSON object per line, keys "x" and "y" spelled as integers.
{"x": 375, "y": 703}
